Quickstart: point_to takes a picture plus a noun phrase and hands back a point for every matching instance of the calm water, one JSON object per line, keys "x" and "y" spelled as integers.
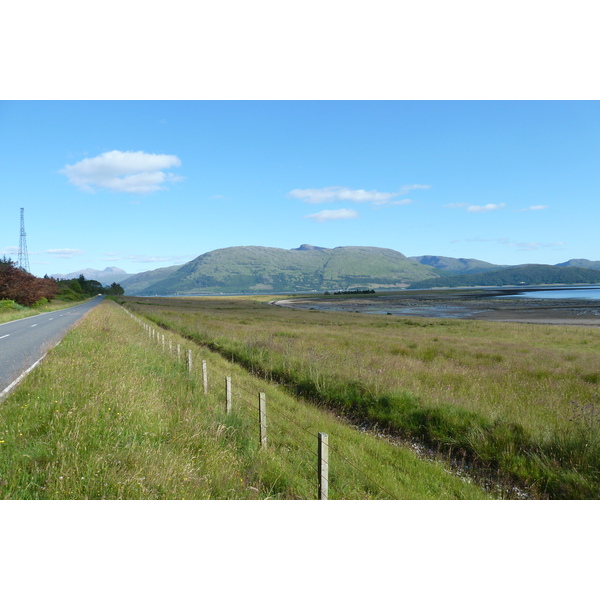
{"x": 588, "y": 293}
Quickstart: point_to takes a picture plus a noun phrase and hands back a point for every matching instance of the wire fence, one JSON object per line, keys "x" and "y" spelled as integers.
{"x": 311, "y": 455}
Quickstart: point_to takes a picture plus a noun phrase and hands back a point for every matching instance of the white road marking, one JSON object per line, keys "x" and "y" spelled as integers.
{"x": 35, "y": 325}
{"x": 6, "y": 390}
{"x": 1, "y": 337}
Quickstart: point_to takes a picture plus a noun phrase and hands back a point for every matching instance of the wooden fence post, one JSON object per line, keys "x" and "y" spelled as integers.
{"x": 178, "y": 352}
{"x": 163, "y": 341}
{"x": 205, "y": 377}
{"x": 189, "y": 361}
{"x": 262, "y": 419}
{"x": 323, "y": 466}
{"x": 228, "y": 394}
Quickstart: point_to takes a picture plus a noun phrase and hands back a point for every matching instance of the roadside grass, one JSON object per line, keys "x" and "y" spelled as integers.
{"x": 12, "y": 314}
{"x": 521, "y": 400}
{"x": 112, "y": 413}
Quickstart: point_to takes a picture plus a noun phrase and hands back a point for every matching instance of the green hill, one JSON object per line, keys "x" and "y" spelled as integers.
{"x": 584, "y": 263}
{"x": 520, "y": 275}
{"x": 257, "y": 269}
{"x": 457, "y": 266}
{"x": 136, "y": 283}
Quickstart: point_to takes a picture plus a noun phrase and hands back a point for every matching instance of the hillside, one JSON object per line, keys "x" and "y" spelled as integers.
{"x": 520, "y": 275}
{"x": 581, "y": 262}
{"x": 136, "y": 283}
{"x": 456, "y": 266}
{"x": 257, "y": 269}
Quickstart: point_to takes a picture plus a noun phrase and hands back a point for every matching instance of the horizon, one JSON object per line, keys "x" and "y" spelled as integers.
{"x": 109, "y": 267}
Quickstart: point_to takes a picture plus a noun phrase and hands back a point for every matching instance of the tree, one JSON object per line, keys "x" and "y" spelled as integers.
{"x": 23, "y": 287}
{"x": 115, "y": 289}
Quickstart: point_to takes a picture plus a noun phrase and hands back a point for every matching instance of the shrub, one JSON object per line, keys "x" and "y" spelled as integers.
{"x": 40, "y": 302}
{"x": 7, "y": 305}
{"x": 23, "y": 287}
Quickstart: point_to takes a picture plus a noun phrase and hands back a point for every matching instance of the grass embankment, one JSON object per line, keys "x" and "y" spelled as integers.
{"x": 113, "y": 414}
{"x": 522, "y": 401}
{"x": 13, "y": 314}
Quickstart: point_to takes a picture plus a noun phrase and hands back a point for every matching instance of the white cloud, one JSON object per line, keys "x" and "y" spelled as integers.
{"x": 487, "y": 208}
{"x": 132, "y": 172}
{"x": 333, "y": 215}
{"x": 475, "y": 208}
{"x": 341, "y": 194}
{"x": 524, "y": 246}
{"x": 530, "y": 246}
{"x": 157, "y": 259}
{"x": 401, "y": 202}
{"x": 536, "y": 207}
{"x": 65, "y": 252}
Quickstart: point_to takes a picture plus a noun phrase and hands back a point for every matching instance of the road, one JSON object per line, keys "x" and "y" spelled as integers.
{"x": 26, "y": 341}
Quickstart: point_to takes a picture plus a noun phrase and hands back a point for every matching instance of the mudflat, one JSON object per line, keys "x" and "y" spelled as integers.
{"x": 485, "y": 305}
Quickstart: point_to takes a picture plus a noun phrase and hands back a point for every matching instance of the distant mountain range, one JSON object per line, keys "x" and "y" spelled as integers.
{"x": 519, "y": 275}
{"x": 106, "y": 276}
{"x": 256, "y": 269}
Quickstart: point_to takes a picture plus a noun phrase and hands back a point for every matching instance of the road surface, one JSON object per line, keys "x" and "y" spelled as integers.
{"x": 23, "y": 343}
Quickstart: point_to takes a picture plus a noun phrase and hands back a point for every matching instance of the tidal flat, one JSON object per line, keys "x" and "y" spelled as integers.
{"x": 485, "y": 305}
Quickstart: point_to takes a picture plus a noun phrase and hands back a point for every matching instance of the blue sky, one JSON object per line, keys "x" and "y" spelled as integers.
{"x": 146, "y": 184}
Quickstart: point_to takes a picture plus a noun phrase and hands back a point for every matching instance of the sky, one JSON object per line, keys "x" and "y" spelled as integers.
{"x": 145, "y": 184}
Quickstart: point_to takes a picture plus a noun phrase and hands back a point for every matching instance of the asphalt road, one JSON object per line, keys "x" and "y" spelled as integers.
{"x": 26, "y": 341}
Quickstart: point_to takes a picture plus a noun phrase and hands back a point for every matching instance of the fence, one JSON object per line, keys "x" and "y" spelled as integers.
{"x": 274, "y": 423}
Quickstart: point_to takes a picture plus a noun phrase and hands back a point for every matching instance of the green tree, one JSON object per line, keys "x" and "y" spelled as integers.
{"x": 115, "y": 289}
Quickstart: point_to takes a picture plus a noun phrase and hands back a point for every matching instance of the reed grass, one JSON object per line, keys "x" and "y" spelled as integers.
{"x": 521, "y": 400}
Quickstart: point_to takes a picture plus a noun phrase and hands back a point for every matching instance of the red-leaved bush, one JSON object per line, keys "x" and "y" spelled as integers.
{"x": 22, "y": 287}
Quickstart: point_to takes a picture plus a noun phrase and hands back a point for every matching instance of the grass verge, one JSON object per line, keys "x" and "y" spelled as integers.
{"x": 12, "y": 314}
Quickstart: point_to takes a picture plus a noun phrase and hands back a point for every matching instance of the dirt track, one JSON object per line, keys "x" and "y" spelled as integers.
{"x": 486, "y": 305}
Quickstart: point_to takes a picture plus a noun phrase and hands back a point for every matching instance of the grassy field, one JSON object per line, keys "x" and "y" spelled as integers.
{"x": 521, "y": 401}
{"x": 113, "y": 413}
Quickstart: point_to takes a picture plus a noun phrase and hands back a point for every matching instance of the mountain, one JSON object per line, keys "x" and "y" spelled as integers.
{"x": 136, "y": 283}
{"x": 106, "y": 276}
{"x": 457, "y": 265}
{"x": 519, "y": 275}
{"x": 581, "y": 262}
{"x": 260, "y": 269}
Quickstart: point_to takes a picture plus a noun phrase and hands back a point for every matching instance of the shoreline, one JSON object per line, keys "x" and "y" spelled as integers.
{"x": 482, "y": 305}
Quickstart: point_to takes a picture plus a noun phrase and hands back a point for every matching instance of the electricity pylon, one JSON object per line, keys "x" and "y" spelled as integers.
{"x": 23, "y": 256}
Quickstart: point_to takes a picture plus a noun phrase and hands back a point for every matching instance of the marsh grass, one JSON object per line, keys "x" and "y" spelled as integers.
{"x": 501, "y": 393}
{"x": 109, "y": 414}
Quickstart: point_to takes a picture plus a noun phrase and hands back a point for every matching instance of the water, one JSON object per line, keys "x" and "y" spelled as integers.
{"x": 583, "y": 293}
